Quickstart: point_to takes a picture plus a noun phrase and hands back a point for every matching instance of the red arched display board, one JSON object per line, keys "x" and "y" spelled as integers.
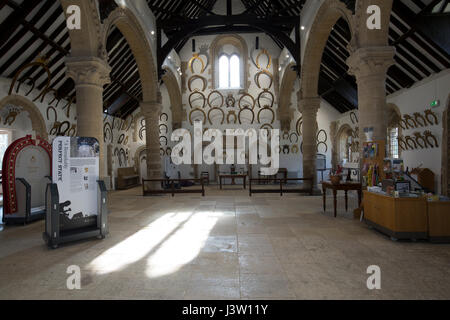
{"x": 9, "y": 169}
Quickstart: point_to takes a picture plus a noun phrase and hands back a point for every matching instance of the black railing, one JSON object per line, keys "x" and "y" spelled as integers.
{"x": 281, "y": 190}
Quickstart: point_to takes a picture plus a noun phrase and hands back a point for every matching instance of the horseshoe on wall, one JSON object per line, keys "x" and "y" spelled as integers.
{"x": 354, "y": 117}
{"x": 126, "y": 125}
{"x": 295, "y": 135}
{"x": 298, "y": 126}
{"x": 199, "y": 110}
{"x": 125, "y": 141}
{"x": 67, "y": 127}
{"x": 209, "y": 115}
{"x": 165, "y": 126}
{"x": 168, "y": 151}
{"x": 246, "y": 108}
{"x": 295, "y": 149}
{"x": 429, "y": 135}
{"x": 419, "y": 137}
{"x": 198, "y": 93}
{"x": 260, "y": 96}
{"x": 430, "y": 113}
{"x": 409, "y": 139}
{"x": 160, "y": 118}
{"x": 121, "y": 138}
{"x": 402, "y": 124}
{"x": 402, "y": 144}
{"x": 321, "y": 142}
{"x": 418, "y": 116}
{"x": 55, "y": 130}
{"x": 55, "y": 118}
{"x": 195, "y": 56}
{"x": 72, "y": 131}
{"x": 195, "y": 77}
{"x": 11, "y": 117}
{"x": 266, "y": 108}
{"x": 269, "y": 59}
{"x": 106, "y": 128}
{"x": 286, "y": 149}
{"x": 285, "y": 135}
{"x": 165, "y": 139}
{"x": 141, "y": 133}
{"x": 235, "y": 117}
{"x": 326, "y": 136}
{"x": 259, "y": 74}
{"x": 230, "y": 99}
{"x": 220, "y": 95}
{"x": 251, "y": 97}
{"x": 410, "y": 122}
{"x": 162, "y": 152}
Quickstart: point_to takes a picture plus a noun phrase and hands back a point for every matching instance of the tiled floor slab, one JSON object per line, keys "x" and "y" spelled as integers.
{"x": 223, "y": 246}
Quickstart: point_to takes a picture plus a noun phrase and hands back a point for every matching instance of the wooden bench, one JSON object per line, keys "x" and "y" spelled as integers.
{"x": 127, "y": 178}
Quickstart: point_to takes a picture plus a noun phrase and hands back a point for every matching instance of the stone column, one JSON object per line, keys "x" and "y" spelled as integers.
{"x": 309, "y": 107}
{"x": 90, "y": 75}
{"x": 152, "y": 111}
{"x": 370, "y": 65}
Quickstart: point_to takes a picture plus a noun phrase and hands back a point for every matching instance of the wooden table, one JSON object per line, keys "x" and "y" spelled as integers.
{"x": 346, "y": 186}
{"x": 233, "y": 177}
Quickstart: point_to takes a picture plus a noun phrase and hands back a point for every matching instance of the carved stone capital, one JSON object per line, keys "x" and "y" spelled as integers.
{"x": 88, "y": 71}
{"x": 373, "y": 61}
{"x": 151, "y": 109}
{"x": 309, "y": 106}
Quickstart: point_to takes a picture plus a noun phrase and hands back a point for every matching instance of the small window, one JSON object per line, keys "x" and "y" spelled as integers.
{"x": 229, "y": 71}
{"x": 5, "y": 141}
{"x": 393, "y": 143}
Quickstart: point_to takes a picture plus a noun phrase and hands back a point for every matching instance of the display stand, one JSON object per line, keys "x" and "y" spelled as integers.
{"x": 59, "y": 229}
{"x": 26, "y": 168}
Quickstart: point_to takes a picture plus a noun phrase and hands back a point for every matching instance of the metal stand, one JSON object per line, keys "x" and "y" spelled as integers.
{"x": 57, "y": 230}
{"x": 25, "y": 213}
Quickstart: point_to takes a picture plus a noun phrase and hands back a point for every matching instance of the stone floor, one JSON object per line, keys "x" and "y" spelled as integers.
{"x": 223, "y": 246}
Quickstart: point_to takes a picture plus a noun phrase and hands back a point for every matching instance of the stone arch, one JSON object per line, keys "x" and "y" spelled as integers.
{"x": 344, "y": 129}
{"x": 238, "y": 42}
{"x": 37, "y": 120}
{"x": 137, "y": 155}
{"x": 327, "y": 16}
{"x": 135, "y": 35}
{"x": 285, "y": 113}
{"x": 178, "y": 115}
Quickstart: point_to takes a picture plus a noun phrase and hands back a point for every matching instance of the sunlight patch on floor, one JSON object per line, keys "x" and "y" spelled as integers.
{"x": 183, "y": 246}
{"x": 138, "y": 245}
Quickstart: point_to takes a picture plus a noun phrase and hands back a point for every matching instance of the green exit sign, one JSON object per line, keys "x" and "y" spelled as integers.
{"x": 434, "y": 104}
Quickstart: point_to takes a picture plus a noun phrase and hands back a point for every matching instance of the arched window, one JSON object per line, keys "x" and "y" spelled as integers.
{"x": 229, "y": 71}
{"x": 393, "y": 143}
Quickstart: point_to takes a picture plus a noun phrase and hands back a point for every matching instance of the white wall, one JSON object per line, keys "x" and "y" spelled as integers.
{"x": 417, "y": 99}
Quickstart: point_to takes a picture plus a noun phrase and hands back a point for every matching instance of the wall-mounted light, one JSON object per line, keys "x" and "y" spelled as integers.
{"x": 152, "y": 33}
{"x": 302, "y": 27}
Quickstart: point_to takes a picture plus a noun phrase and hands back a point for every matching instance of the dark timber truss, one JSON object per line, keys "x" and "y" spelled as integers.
{"x": 31, "y": 28}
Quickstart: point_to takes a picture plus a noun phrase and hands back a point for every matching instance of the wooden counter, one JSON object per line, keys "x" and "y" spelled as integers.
{"x": 400, "y": 218}
{"x": 439, "y": 221}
